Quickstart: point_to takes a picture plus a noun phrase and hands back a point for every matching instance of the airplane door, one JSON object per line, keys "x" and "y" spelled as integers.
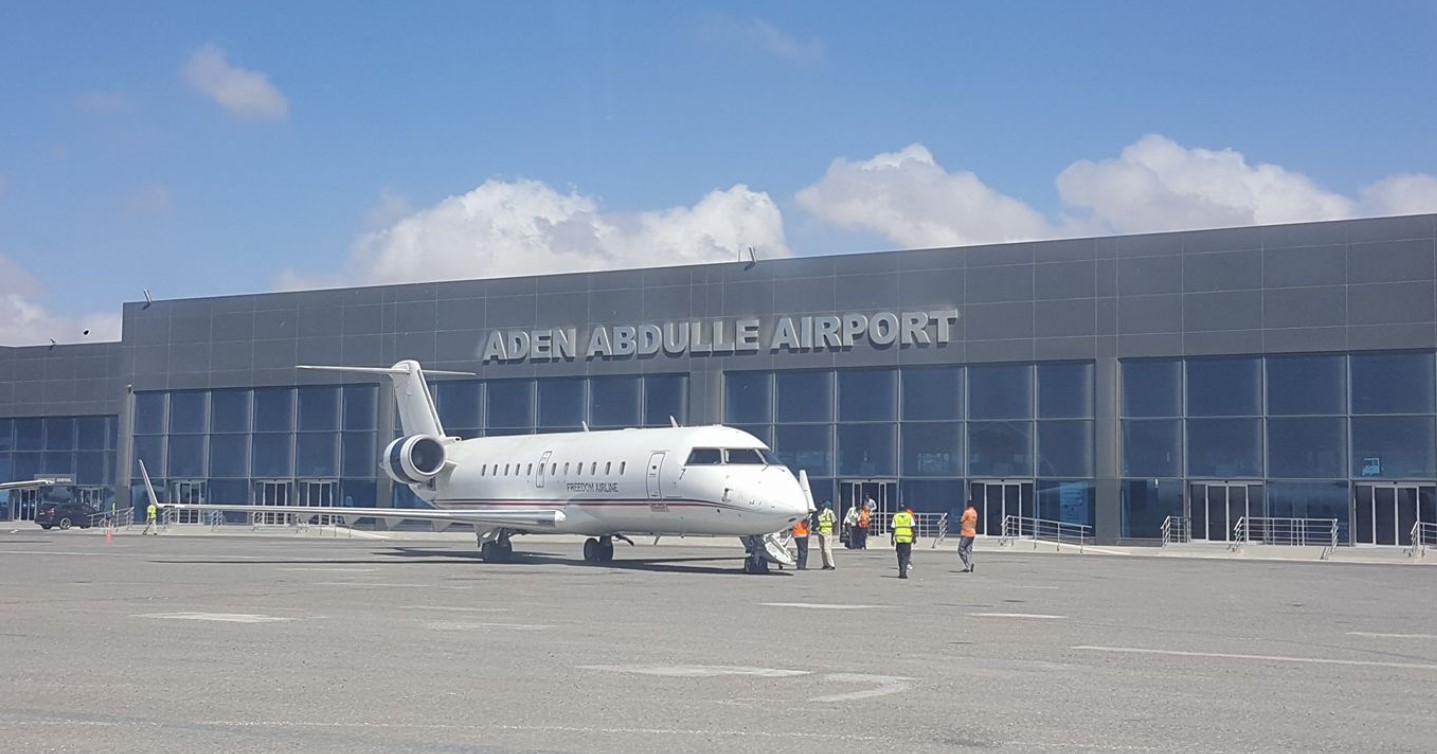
{"x": 656, "y": 465}
{"x": 543, "y": 468}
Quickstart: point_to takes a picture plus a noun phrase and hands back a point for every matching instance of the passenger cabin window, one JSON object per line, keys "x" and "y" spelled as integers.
{"x": 553, "y": 469}
{"x": 566, "y": 468}
{"x": 705, "y": 457}
{"x": 744, "y": 455}
{"x": 529, "y": 470}
{"x": 623, "y": 465}
{"x": 506, "y": 469}
{"x": 593, "y": 468}
{"x": 608, "y": 468}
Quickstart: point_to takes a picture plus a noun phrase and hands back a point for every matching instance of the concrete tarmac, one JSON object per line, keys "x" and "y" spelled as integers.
{"x": 257, "y": 644}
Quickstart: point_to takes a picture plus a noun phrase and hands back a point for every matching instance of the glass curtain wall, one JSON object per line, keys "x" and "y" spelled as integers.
{"x": 81, "y": 447}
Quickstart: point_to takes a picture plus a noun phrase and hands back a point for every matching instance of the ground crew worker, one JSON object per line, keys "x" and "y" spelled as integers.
{"x": 965, "y": 537}
{"x": 863, "y": 517}
{"x": 800, "y": 540}
{"x": 826, "y": 521}
{"x": 904, "y": 533}
{"x": 850, "y": 528}
{"x": 151, "y": 514}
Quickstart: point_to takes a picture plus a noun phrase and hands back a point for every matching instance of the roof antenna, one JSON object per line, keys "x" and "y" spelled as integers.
{"x": 148, "y": 299}
{"x": 752, "y": 259}
{"x": 673, "y": 422}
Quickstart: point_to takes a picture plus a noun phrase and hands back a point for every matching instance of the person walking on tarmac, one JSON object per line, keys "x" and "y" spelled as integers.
{"x": 850, "y": 528}
{"x": 151, "y": 523}
{"x": 826, "y": 521}
{"x": 904, "y": 534}
{"x": 965, "y": 537}
{"x": 864, "y": 515}
{"x": 800, "y": 540}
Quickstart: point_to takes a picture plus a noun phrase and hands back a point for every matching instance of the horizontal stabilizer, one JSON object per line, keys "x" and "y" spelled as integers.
{"x": 28, "y": 485}
{"x": 538, "y": 519}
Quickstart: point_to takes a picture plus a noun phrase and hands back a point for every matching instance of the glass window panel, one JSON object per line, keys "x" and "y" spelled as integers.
{"x": 1328, "y": 499}
{"x": 229, "y": 456}
{"x": 509, "y": 404}
{"x": 26, "y": 465}
{"x": 58, "y": 462}
{"x": 614, "y": 401}
{"x": 1307, "y": 448}
{"x": 1000, "y": 449}
{"x": 1306, "y": 385}
{"x": 188, "y": 410}
{"x": 866, "y": 449}
{"x": 1065, "y": 391}
{"x": 151, "y": 451}
{"x": 561, "y": 403}
{"x": 1000, "y": 391}
{"x": 317, "y": 455}
{"x": 511, "y": 431}
{"x": 187, "y": 457}
{"x": 93, "y": 432}
{"x": 458, "y": 404}
{"x": 60, "y": 434}
{"x": 803, "y": 396}
{"x": 360, "y": 457}
{"x": 1147, "y": 503}
{"x": 1152, "y": 388}
{"x": 1392, "y": 383}
{"x": 318, "y": 409}
{"x": 273, "y": 455}
{"x": 932, "y": 394}
{"x": 934, "y": 496}
{"x": 1071, "y": 502}
{"x": 867, "y": 395}
{"x": 273, "y": 410}
{"x": 7, "y": 435}
{"x": 29, "y": 434}
{"x": 666, "y": 395}
{"x": 808, "y": 447}
{"x": 361, "y": 406}
{"x": 90, "y": 468}
{"x": 7, "y": 471}
{"x": 1224, "y": 387}
{"x": 358, "y": 493}
{"x": 747, "y": 397}
{"x": 933, "y": 449}
{"x": 229, "y": 411}
{"x": 1226, "y": 448}
{"x": 1392, "y": 447}
{"x": 1065, "y": 449}
{"x": 764, "y": 432}
{"x": 1152, "y": 448}
{"x": 149, "y": 413}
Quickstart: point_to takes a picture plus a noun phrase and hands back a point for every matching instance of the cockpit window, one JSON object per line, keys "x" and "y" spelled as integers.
{"x": 744, "y": 455}
{"x": 770, "y": 457}
{"x": 705, "y": 457}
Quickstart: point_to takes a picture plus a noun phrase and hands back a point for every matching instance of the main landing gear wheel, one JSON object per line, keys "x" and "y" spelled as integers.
{"x": 599, "y": 550}
{"x": 498, "y": 551}
{"x": 756, "y": 565}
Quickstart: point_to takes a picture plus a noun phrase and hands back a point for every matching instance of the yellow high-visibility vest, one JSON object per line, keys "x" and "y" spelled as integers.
{"x": 903, "y": 527}
{"x": 825, "y": 521}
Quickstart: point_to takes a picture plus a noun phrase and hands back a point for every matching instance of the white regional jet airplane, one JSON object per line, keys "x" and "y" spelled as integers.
{"x": 607, "y": 484}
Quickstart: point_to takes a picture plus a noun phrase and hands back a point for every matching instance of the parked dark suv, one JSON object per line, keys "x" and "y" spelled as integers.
{"x": 65, "y": 515}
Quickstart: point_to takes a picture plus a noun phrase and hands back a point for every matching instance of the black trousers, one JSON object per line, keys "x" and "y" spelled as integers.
{"x": 802, "y": 543}
{"x": 905, "y": 556}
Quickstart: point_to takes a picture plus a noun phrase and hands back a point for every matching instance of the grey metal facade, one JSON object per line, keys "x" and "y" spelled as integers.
{"x": 1335, "y": 287}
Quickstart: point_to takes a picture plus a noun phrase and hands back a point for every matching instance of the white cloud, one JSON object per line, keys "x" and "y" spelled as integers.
{"x": 25, "y": 321}
{"x": 759, "y": 35}
{"x": 240, "y": 91}
{"x": 1155, "y": 184}
{"x": 147, "y": 201}
{"x": 509, "y": 228}
{"x": 913, "y": 200}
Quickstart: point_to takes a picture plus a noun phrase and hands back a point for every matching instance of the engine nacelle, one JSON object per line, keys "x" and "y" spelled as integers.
{"x": 415, "y": 459}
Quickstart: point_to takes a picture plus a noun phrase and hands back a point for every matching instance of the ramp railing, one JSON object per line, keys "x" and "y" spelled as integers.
{"x": 928, "y": 526}
{"x": 1424, "y": 535}
{"x": 1040, "y": 530}
{"x": 1176, "y": 529}
{"x": 1292, "y": 532}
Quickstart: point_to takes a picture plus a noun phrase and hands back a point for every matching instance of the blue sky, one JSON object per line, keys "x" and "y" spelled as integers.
{"x": 204, "y": 149}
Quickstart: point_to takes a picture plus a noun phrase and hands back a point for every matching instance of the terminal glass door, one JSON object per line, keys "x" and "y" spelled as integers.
{"x": 24, "y": 504}
{"x": 272, "y": 492}
{"x": 1215, "y": 508}
{"x": 997, "y": 500}
{"x": 883, "y": 493}
{"x": 188, "y": 492}
{"x": 1385, "y": 513}
{"x": 322, "y": 493}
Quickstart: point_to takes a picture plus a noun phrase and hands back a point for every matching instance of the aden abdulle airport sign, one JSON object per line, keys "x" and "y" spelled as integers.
{"x": 731, "y": 335}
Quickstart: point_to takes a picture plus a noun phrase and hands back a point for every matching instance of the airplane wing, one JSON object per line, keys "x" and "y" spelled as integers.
{"x": 538, "y": 519}
{"x": 27, "y": 485}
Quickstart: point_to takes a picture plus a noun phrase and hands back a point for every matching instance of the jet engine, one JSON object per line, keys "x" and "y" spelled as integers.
{"x": 415, "y": 459}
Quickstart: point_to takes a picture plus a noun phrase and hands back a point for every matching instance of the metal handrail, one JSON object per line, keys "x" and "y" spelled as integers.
{"x": 942, "y": 531}
{"x": 1424, "y": 535}
{"x": 1044, "y": 530}
{"x": 1176, "y": 529}
{"x": 930, "y": 526}
{"x": 1296, "y": 532}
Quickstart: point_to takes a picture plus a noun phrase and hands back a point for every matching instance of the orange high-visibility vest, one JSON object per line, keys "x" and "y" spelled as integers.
{"x": 863, "y": 518}
{"x": 800, "y": 529}
{"x": 970, "y": 523}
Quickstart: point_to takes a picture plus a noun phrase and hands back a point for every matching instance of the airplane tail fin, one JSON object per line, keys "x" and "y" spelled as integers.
{"x": 149, "y": 487}
{"x": 807, "y": 491}
{"x": 417, "y": 414}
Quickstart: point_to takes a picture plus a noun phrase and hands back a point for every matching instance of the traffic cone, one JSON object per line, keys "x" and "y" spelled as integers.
{"x": 109, "y": 534}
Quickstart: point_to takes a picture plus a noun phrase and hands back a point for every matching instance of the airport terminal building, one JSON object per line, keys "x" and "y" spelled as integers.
{"x": 1286, "y": 371}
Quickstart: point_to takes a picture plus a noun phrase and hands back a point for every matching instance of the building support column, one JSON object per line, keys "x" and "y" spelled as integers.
{"x": 1108, "y": 512}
